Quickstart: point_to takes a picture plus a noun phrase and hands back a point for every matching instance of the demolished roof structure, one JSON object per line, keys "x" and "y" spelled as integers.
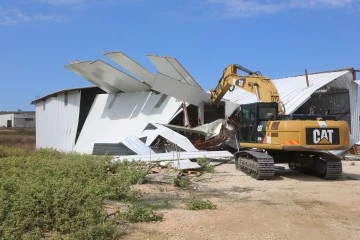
{"x": 138, "y": 109}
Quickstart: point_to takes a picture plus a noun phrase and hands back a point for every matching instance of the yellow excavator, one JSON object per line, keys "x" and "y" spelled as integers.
{"x": 265, "y": 135}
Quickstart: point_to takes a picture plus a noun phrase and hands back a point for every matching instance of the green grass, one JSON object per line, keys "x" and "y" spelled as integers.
{"x": 47, "y": 193}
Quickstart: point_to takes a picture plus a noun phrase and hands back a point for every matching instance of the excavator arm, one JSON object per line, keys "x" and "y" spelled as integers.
{"x": 263, "y": 87}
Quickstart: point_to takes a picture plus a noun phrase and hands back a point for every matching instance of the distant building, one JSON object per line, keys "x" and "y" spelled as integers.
{"x": 17, "y": 119}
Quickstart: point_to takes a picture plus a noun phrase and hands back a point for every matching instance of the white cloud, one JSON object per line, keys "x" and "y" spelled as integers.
{"x": 244, "y": 8}
{"x": 15, "y": 16}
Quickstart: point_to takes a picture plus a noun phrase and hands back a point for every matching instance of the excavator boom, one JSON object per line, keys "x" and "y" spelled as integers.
{"x": 261, "y": 86}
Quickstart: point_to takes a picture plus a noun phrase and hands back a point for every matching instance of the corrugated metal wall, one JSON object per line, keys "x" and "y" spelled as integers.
{"x": 354, "y": 108}
{"x": 57, "y": 121}
{"x": 113, "y": 117}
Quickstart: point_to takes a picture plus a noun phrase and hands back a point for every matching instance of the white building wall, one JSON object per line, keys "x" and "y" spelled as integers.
{"x": 354, "y": 110}
{"x": 4, "y": 118}
{"x": 116, "y": 116}
{"x": 56, "y": 122}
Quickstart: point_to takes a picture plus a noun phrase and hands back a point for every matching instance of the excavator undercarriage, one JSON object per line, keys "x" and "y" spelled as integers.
{"x": 261, "y": 165}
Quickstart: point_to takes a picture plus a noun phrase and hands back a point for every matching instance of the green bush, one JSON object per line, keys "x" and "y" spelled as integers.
{"x": 205, "y": 164}
{"x": 137, "y": 213}
{"x": 48, "y": 191}
{"x": 199, "y": 204}
{"x": 182, "y": 182}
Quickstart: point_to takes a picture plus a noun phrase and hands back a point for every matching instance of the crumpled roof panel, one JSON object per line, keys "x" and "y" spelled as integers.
{"x": 132, "y": 66}
{"x": 293, "y": 91}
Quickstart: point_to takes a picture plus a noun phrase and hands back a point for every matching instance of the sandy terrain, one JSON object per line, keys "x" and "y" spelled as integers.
{"x": 293, "y": 206}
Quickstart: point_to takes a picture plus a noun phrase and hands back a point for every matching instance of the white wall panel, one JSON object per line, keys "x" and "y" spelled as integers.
{"x": 354, "y": 110}
{"x": 56, "y": 124}
{"x": 113, "y": 117}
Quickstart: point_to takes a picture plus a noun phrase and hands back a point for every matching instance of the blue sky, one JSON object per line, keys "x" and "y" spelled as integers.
{"x": 278, "y": 37}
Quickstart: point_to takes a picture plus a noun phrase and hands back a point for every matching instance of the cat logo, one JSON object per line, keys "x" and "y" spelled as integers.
{"x": 322, "y": 136}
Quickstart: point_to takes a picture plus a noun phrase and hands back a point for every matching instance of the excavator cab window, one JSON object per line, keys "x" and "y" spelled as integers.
{"x": 250, "y": 116}
{"x": 248, "y": 123}
{"x": 267, "y": 112}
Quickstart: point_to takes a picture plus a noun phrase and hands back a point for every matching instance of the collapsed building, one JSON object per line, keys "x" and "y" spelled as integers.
{"x": 142, "y": 113}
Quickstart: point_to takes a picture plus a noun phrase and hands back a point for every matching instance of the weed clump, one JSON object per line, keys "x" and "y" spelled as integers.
{"x": 199, "y": 204}
{"x": 205, "y": 164}
{"x": 138, "y": 213}
{"x": 182, "y": 182}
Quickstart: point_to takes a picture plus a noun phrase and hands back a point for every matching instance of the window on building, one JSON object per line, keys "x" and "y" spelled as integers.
{"x": 44, "y": 103}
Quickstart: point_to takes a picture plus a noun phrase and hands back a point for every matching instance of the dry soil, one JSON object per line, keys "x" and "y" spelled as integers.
{"x": 293, "y": 206}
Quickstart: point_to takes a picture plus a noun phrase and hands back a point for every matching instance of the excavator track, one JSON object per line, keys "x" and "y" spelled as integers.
{"x": 258, "y": 164}
{"x": 322, "y": 164}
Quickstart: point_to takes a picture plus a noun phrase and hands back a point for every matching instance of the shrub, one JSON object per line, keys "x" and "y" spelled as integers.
{"x": 48, "y": 191}
{"x": 6, "y": 151}
{"x": 137, "y": 213}
{"x": 205, "y": 164}
{"x": 182, "y": 182}
{"x": 199, "y": 204}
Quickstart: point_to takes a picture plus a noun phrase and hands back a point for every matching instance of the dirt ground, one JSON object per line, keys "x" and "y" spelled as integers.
{"x": 293, "y": 206}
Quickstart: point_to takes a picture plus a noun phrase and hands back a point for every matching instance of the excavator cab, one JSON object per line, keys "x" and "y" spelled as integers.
{"x": 253, "y": 118}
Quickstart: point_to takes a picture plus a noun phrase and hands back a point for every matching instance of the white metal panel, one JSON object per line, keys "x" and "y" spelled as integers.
{"x": 240, "y": 96}
{"x": 293, "y": 91}
{"x": 183, "y": 73}
{"x": 176, "y": 156}
{"x": 132, "y": 66}
{"x": 172, "y": 68}
{"x": 354, "y": 110}
{"x": 185, "y": 164}
{"x": 230, "y": 107}
{"x": 179, "y": 90}
{"x": 357, "y": 82}
{"x": 85, "y": 70}
{"x": 136, "y": 145}
{"x": 116, "y": 78}
{"x": 56, "y": 123}
{"x": 111, "y": 119}
{"x": 168, "y": 134}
